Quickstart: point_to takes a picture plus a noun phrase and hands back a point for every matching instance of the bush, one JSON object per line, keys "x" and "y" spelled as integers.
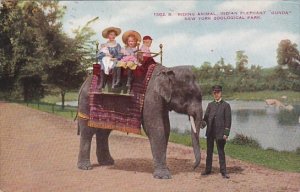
{"x": 241, "y": 139}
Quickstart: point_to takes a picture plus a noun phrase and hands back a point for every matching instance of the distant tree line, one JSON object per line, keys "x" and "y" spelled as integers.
{"x": 241, "y": 77}
{"x": 36, "y": 56}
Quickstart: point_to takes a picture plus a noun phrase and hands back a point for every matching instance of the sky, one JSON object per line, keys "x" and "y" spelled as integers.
{"x": 192, "y": 42}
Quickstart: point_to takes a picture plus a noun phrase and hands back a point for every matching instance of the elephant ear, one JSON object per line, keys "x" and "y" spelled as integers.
{"x": 164, "y": 84}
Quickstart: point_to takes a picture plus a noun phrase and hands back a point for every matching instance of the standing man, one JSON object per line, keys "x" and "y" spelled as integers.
{"x": 218, "y": 119}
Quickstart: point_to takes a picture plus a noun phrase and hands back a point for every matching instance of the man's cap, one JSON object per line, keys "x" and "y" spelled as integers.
{"x": 147, "y": 37}
{"x": 217, "y": 88}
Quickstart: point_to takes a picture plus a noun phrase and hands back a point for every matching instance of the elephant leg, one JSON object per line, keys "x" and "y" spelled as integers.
{"x": 85, "y": 146}
{"x": 167, "y": 127}
{"x": 102, "y": 151}
{"x": 158, "y": 144}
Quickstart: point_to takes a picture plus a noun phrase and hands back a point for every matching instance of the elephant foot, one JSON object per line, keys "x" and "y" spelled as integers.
{"x": 162, "y": 174}
{"x": 106, "y": 161}
{"x": 84, "y": 165}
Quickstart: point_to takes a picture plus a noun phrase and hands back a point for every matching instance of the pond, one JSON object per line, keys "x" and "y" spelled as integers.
{"x": 271, "y": 127}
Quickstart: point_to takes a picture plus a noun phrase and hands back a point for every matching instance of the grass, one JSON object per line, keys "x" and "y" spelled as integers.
{"x": 292, "y": 96}
{"x": 278, "y": 160}
{"x": 70, "y": 96}
{"x": 68, "y": 112}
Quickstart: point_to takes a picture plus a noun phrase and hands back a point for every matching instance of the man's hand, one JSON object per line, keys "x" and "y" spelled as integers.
{"x": 203, "y": 124}
{"x": 225, "y": 137}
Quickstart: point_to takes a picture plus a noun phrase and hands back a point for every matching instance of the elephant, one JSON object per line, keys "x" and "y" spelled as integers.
{"x": 172, "y": 88}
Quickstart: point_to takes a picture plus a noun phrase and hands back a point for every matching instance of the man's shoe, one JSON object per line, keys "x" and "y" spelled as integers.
{"x": 225, "y": 176}
{"x": 206, "y": 173}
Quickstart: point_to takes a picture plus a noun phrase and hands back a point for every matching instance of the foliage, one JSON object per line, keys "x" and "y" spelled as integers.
{"x": 27, "y": 29}
{"x": 241, "y": 62}
{"x": 242, "y": 78}
{"x": 36, "y": 56}
{"x": 241, "y": 139}
{"x": 288, "y": 54}
{"x": 292, "y": 96}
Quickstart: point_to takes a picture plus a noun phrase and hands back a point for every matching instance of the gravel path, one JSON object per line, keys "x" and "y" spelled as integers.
{"x": 38, "y": 152}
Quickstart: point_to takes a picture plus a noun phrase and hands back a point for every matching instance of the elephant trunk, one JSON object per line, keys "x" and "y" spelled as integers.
{"x": 195, "y": 131}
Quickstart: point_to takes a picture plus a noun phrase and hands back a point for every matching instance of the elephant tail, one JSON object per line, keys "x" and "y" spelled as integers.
{"x": 76, "y": 116}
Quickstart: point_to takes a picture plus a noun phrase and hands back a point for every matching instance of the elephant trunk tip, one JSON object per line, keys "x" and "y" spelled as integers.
{"x": 197, "y": 163}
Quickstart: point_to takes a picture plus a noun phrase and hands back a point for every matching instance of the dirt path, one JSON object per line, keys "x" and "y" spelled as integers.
{"x": 38, "y": 152}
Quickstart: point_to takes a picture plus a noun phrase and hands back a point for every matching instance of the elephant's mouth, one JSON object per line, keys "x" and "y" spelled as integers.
{"x": 195, "y": 126}
{"x": 192, "y": 121}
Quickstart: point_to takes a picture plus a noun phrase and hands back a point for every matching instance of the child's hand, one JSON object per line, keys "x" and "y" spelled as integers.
{"x": 123, "y": 51}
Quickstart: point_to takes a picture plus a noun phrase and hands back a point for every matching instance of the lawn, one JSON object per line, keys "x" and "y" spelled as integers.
{"x": 282, "y": 161}
{"x": 70, "y": 96}
{"x": 68, "y": 112}
{"x": 292, "y": 96}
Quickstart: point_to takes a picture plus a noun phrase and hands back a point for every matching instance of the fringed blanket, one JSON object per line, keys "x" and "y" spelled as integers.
{"x": 119, "y": 112}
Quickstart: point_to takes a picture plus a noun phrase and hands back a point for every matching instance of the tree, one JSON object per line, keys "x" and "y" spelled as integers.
{"x": 288, "y": 55}
{"x": 10, "y": 23}
{"x": 75, "y": 56}
{"x": 35, "y": 54}
{"x": 241, "y": 61}
{"x": 279, "y": 79}
{"x": 28, "y": 30}
{"x": 66, "y": 76}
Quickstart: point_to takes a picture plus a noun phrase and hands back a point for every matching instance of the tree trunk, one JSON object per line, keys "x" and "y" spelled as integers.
{"x": 63, "y": 93}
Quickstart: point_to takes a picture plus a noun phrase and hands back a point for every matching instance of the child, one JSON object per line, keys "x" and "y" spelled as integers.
{"x": 147, "y": 58}
{"x": 107, "y": 63}
{"x": 114, "y": 52}
{"x": 129, "y": 60}
{"x": 147, "y": 41}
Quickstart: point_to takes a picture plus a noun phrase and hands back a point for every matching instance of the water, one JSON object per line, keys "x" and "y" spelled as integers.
{"x": 270, "y": 126}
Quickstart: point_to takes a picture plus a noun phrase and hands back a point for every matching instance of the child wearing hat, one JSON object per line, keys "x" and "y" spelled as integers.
{"x": 129, "y": 61}
{"x": 147, "y": 41}
{"x": 111, "y": 49}
{"x": 147, "y": 59}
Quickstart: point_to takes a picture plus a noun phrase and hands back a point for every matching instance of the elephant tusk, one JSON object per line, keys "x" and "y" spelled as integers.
{"x": 193, "y": 124}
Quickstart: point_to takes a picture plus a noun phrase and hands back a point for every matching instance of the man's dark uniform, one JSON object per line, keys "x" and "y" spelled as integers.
{"x": 218, "y": 120}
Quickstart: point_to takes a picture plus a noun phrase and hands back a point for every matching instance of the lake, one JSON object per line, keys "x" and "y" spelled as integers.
{"x": 270, "y": 126}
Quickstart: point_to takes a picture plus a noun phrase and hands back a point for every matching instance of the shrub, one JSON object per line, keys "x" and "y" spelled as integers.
{"x": 241, "y": 139}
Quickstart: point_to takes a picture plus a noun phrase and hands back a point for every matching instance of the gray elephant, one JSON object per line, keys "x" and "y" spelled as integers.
{"x": 168, "y": 89}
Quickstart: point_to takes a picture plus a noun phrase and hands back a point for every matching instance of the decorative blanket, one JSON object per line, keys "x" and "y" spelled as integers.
{"x": 119, "y": 112}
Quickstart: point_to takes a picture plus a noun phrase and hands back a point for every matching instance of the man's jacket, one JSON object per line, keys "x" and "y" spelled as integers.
{"x": 218, "y": 119}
